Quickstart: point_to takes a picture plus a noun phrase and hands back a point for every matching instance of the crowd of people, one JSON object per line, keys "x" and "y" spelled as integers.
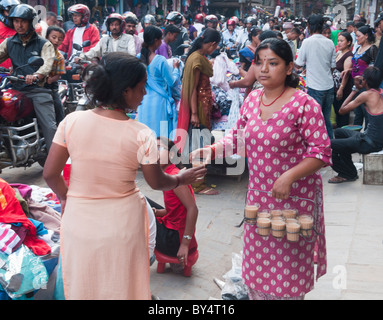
{"x": 161, "y": 73}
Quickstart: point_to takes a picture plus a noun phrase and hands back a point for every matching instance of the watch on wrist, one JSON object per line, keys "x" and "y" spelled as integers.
{"x": 187, "y": 237}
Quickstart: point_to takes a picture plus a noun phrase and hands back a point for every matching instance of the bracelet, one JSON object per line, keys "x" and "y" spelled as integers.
{"x": 185, "y": 236}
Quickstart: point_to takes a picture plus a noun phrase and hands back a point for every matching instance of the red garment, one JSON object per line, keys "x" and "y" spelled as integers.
{"x": 5, "y": 33}
{"x": 175, "y": 218}
{"x": 11, "y": 212}
{"x": 90, "y": 33}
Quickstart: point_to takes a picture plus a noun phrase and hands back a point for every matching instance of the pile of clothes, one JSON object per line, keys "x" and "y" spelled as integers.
{"x": 29, "y": 238}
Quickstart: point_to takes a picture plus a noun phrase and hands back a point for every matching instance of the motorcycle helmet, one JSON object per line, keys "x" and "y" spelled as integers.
{"x": 175, "y": 16}
{"x": 115, "y": 16}
{"x": 7, "y": 5}
{"x": 149, "y": 19}
{"x": 213, "y": 19}
{"x": 235, "y": 19}
{"x": 130, "y": 17}
{"x": 231, "y": 22}
{"x": 26, "y": 12}
{"x": 199, "y": 18}
{"x": 251, "y": 20}
{"x": 80, "y": 9}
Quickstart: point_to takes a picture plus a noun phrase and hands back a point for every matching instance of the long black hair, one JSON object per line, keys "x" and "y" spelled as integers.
{"x": 367, "y": 30}
{"x": 151, "y": 34}
{"x": 209, "y": 35}
{"x": 116, "y": 72}
{"x": 282, "y": 49}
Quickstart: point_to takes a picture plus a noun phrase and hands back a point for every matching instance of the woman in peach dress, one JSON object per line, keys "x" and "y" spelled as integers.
{"x": 104, "y": 233}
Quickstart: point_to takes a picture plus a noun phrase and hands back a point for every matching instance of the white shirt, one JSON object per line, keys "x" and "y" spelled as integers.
{"x": 199, "y": 27}
{"x": 318, "y": 54}
{"x": 77, "y": 37}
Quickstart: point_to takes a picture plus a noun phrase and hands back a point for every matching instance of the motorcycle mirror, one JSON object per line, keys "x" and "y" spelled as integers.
{"x": 86, "y": 43}
{"x": 77, "y": 47}
{"x": 35, "y": 61}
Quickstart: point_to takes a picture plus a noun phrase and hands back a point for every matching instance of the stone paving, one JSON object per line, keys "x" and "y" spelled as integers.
{"x": 354, "y": 232}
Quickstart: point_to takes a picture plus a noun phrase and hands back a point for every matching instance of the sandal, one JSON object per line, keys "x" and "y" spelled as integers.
{"x": 208, "y": 191}
{"x": 338, "y": 179}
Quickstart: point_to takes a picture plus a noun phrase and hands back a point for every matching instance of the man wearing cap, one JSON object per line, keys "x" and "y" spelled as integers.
{"x": 379, "y": 57}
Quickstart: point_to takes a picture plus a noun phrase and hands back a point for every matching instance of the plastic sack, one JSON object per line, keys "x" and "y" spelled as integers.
{"x": 222, "y": 64}
{"x": 22, "y": 272}
{"x": 237, "y": 100}
{"x": 234, "y": 287}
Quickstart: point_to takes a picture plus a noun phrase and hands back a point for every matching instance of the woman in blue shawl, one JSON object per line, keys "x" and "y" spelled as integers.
{"x": 158, "y": 110}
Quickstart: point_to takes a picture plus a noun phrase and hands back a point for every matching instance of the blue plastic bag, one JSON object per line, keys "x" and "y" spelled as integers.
{"x": 22, "y": 272}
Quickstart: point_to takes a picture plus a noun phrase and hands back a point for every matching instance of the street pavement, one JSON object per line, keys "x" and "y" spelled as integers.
{"x": 354, "y": 233}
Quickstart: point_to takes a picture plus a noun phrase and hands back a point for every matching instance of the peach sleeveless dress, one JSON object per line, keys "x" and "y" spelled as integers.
{"x": 104, "y": 233}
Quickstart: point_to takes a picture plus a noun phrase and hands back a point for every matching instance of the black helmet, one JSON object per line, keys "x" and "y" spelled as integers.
{"x": 175, "y": 16}
{"x": 26, "y": 12}
{"x": 23, "y": 11}
{"x": 7, "y": 5}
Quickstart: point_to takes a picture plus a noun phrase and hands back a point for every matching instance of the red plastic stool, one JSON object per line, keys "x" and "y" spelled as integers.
{"x": 162, "y": 259}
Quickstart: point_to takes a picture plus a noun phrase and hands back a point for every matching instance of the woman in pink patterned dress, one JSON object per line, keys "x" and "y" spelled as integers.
{"x": 282, "y": 131}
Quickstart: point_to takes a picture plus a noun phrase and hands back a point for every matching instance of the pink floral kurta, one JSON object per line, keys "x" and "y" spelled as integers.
{"x": 275, "y": 266}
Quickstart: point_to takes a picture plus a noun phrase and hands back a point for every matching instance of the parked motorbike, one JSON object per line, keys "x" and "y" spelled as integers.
{"x": 232, "y": 52}
{"x": 21, "y": 140}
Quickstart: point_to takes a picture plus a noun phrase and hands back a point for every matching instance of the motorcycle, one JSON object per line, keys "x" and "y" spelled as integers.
{"x": 71, "y": 84}
{"x": 21, "y": 141}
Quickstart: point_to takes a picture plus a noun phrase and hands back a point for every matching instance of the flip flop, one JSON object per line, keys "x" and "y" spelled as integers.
{"x": 338, "y": 179}
{"x": 208, "y": 191}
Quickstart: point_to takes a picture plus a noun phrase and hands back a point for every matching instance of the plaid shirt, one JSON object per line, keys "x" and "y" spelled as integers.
{"x": 58, "y": 67}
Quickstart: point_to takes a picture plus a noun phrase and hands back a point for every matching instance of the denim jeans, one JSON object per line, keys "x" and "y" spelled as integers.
{"x": 325, "y": 98}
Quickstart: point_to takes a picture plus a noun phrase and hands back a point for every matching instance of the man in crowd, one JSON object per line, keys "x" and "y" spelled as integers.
{"x": 292, "y": 36}
{"x": 20, "y": 48}
{"x": 199, "y": 23}
{"x": 131, "y": 22}
{"x": 116, "y": 41}
{"x": 50, "y": 20}
{"x": 81, "y": 32}
{"x": 230, "y": 35}
{"x": 243, "y": 38}
{"x": 175, "y": 18}
{"x": 6, "y": 27}
{"x": 318, "y": 54}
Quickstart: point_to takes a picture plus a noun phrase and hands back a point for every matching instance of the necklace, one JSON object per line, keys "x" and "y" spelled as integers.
{"x": 268, "y": 105}
{"x": 114, "y": 109}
